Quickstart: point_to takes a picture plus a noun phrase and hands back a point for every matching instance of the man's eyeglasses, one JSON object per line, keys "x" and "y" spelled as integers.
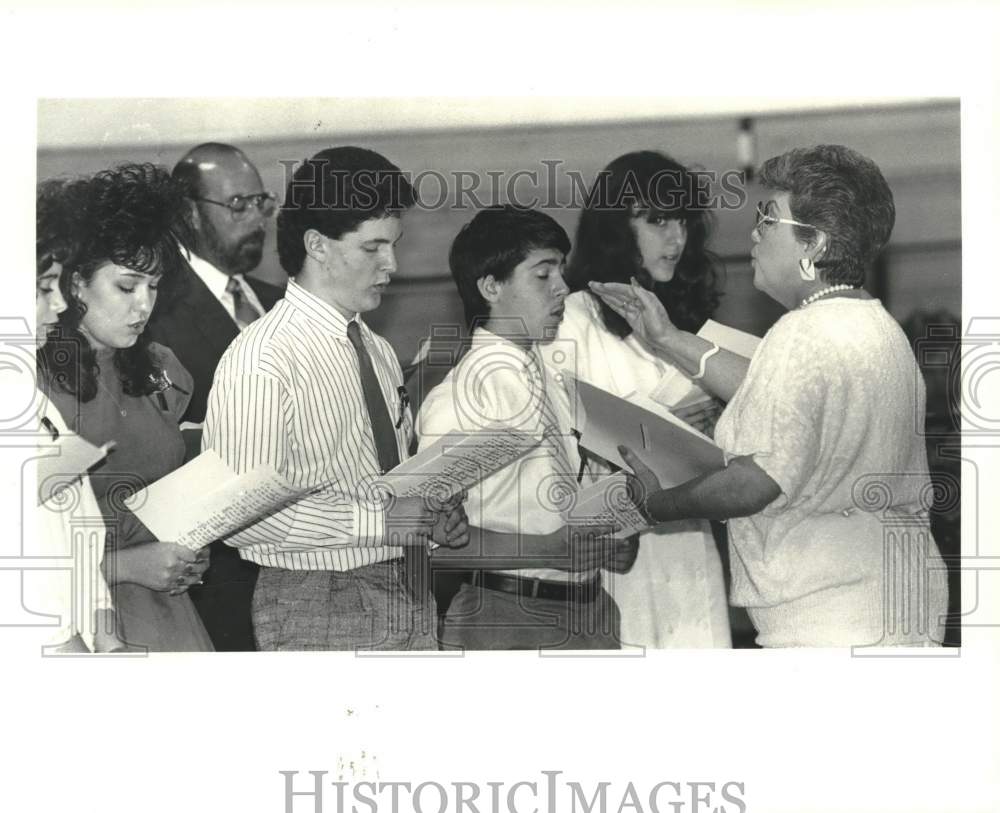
{"x": 241, "y": 205}
{"x": 765, "y": 219}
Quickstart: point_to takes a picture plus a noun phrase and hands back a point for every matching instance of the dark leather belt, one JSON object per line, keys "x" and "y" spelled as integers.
{"x": 536, "y": 588}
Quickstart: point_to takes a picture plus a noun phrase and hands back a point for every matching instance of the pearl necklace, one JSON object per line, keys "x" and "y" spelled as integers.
{"x": 832, "y": 289}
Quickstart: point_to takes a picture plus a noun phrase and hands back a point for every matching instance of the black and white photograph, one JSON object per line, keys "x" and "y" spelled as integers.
{"x": 388, "y": 444}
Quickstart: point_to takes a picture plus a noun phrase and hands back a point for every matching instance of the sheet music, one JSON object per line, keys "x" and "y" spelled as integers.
{"x": 606, "y": 502}
{"x": 216, "y": 500}
{"x": 729, "y": 338}
{"x": 68, "y": 458}
{"x": 458, "y": 461}
{"x": 675, "y": 451}
{"x": 658, "y": 409}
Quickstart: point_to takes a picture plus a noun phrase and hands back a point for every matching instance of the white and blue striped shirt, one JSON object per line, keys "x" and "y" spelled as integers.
{"x": 287, "y": 392}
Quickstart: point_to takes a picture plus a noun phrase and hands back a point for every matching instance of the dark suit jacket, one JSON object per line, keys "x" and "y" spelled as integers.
{"x": 193, "y": 324}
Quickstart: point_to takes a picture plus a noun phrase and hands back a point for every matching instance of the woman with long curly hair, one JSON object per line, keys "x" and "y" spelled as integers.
{"x": 643, "y": 219}
{"x": 110, "y": 383}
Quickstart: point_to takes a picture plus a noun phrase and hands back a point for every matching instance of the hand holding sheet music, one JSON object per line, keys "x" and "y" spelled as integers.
{"x": 216, "y": 501}
{"x": 608, "y": 503}
{"x": 457, "y": 462}
{"x": 675, "y": 451}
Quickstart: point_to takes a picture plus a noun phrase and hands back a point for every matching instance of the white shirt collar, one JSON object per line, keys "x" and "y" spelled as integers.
{"x": 321, "y": 312}
{"x": 481, "y": 337}
{"x": 214, "y": 279}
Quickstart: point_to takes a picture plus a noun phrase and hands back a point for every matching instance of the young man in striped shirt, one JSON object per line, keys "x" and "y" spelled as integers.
{"x": 312, "y": 391}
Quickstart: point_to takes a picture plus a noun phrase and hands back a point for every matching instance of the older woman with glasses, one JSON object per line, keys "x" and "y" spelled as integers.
{"x": 826, "y": 489}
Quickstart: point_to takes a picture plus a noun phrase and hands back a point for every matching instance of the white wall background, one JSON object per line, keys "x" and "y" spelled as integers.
{"x": 915, "y": 142}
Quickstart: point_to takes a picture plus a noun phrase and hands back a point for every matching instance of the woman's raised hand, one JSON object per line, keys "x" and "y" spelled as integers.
{"x": 640, "y": 308}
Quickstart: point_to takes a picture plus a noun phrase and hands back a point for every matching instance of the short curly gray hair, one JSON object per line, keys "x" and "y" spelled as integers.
{"x": 843, "y": 193}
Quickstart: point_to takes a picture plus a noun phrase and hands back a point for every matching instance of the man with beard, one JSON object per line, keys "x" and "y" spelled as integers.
{"x": 228, "y": 208}
{"x": 212, "y": 303}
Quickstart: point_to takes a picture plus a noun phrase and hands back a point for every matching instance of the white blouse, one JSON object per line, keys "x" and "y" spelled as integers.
{"x": 674, "y": 595}
{"x": 71, "y": 530}
{"x": 832, "y": 408}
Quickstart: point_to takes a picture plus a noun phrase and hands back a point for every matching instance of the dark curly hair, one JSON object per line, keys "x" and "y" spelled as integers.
{"x": 843, "y": 193}
{"x": 334, "y": 192}
{"x": 646, "y": 184}
{"x": 133, "y": 216}
{"x": 59, "y": 204}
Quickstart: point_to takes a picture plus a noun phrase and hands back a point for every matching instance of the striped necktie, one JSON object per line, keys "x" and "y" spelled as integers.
{"x": 245, "y": 312}
{"x": 415, "y": 557}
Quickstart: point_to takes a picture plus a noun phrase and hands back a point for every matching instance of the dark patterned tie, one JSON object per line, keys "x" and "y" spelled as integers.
{"x": 415, "y": 557}
{"x": 564, "y": 473}
{"x": 244, "y": 311}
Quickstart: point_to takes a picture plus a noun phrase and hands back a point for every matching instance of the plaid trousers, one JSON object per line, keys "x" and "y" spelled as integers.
{"x": 370, "y": 608}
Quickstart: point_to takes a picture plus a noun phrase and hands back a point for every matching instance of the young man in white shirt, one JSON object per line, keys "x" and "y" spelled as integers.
{"x": 508, "y": 265}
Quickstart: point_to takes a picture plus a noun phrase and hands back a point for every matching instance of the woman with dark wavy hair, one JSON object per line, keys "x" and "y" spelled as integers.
{"x": 643, "y": 218}
{"x": 110, "y": 383}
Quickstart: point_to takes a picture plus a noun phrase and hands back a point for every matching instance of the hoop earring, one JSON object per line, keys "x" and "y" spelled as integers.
{"x": 806, "y": 269}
